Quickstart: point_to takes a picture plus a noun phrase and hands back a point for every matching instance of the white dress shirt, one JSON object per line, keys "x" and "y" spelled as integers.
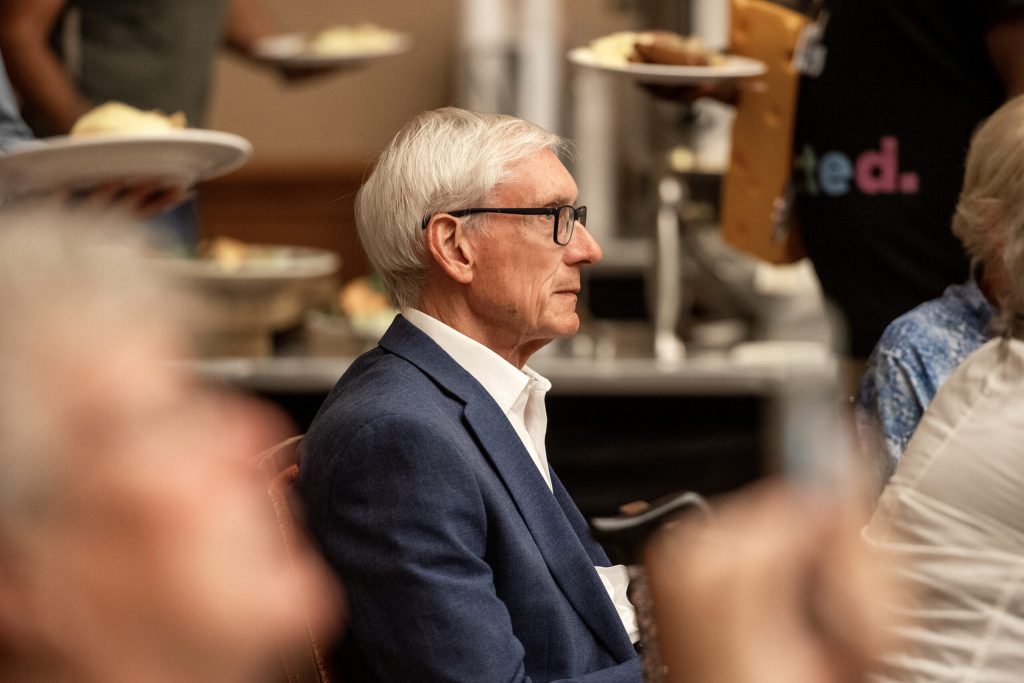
{"x": 520, "y": 395}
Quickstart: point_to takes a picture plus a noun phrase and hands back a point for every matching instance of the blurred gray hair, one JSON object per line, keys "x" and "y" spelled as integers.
{"x": 65, "y": 277}
{"x": 989, "y": 217}
{"x": 441, "y": 160}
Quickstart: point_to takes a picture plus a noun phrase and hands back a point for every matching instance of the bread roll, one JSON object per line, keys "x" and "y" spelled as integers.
{"x": 117, "y": 117}
{"x": 665, "y": 47}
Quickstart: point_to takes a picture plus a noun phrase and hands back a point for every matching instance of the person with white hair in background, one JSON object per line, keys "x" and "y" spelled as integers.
{"x": 921, "y": 349}
{"x": 137, "y": 541}
{"x": 425, "y": 474}
{"x": 952, "y": 513}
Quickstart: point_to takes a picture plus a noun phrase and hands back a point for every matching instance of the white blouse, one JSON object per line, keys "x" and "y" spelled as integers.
{"x": 952, "y": 517}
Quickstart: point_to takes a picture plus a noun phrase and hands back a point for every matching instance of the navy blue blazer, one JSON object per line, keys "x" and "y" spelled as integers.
{"x": 458, "y": 563}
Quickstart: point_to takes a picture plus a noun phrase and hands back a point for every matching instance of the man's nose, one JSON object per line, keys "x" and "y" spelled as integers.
{"x": 583, "y": 248}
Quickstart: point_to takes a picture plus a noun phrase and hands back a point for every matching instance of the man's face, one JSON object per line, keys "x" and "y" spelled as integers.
{"x": 165, "y": 554}
{"x": 525, "y": 286}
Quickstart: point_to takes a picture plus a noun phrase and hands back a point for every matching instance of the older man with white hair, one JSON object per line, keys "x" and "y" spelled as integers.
{"x": 425, "y": 474}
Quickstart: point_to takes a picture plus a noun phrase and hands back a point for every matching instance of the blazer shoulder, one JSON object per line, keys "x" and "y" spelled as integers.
{"x": 380, "y": 383}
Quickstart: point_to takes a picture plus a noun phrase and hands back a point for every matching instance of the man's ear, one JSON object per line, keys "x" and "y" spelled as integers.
{"x": 449, "y": 248}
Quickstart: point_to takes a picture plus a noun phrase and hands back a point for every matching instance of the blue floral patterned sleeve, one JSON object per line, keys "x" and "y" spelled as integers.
{"x": 890, "y": 405}
{"x": 916, "y": 354}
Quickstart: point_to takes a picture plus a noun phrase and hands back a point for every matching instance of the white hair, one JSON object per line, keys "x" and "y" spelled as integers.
{"x": 64, "y": 278}
{"x": 441, "y": 160}
{"x": 989, "y": 216}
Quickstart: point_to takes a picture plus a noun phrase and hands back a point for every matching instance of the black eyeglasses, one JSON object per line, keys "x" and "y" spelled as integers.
{"x": 565, "y": 217}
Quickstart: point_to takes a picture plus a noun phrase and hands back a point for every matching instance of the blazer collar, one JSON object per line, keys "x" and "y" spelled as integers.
{"x": 553, "y": 520}
{"x": 406, "y": 340}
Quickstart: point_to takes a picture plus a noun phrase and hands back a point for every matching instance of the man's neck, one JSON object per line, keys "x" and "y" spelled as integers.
{"x": 461, "y": 319}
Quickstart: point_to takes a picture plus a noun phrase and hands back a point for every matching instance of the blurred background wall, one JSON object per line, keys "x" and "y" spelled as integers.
{"x": 340, "y": 118}
{"x": 347, "y": 118}
{"x": 314, "y": 139}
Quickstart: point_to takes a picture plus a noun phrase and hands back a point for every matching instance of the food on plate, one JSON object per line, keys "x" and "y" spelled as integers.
{"x": 117, "y": 117}
{"x": 226, "y": 252}
{"x": 366, "y": 305}
{"x": 615, "y": 48}
{"x": 228, "y": 258}
{"x": 653, "y": 47}
{"x": 340, "y": 40}
{"x": 363, "y": 296}
{"x": 664, "y": 47}
{"x": 232, "y": 256}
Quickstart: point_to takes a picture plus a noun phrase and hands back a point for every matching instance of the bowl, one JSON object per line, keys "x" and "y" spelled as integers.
{"x": 236, "y": 308}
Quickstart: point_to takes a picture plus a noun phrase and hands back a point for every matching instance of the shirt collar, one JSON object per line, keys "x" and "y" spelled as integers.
{"x": 502, "y": 380}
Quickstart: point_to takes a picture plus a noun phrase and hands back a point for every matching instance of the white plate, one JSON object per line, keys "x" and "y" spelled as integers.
{"x": 670, "y": 74}
{"x": 178, "y": 158}
{"x": 293, "y": 50}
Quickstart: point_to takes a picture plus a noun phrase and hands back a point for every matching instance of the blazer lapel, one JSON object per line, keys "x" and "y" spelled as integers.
{"x": 553, "y": 520}
{"x": 568, "y": 559}
{"x": 579, "y": 524}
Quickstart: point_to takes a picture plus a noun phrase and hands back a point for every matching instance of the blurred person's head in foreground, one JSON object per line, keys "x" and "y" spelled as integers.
{"x": 989, "y": 217}
{"x": 136, "y": 540}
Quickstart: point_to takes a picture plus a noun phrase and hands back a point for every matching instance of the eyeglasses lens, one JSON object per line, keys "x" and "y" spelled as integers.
{"x": 566, "y": 219}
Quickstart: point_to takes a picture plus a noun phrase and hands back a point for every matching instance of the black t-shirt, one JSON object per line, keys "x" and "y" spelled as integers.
{"x": 881, "y": 138}
{"x": 156, "y": 54}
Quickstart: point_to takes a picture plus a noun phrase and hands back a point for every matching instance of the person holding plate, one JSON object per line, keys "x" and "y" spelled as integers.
{"x": 67, "y": 56}
{"x": 143, "y": 199}
{"x": 13, "y": 129}
{"x": 881, "y": 132}
{"x": 151, "y": 55}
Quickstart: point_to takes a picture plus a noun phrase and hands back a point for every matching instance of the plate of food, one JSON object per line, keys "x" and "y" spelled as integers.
{"x": 663, "y": 58}
{"x": 226, "y": 258}
{"x": 338, "y": 46}
{"x": 118, "y": 143}
{"x": 241, "y": 293}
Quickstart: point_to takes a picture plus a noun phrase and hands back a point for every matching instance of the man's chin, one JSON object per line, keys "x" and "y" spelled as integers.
{"x": 568, "y": 326}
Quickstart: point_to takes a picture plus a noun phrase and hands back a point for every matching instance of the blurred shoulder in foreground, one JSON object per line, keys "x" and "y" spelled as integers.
{"x": 136, "y": 537}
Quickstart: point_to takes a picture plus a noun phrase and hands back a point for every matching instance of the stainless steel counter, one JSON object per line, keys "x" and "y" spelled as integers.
{"x": 622, "y": 428}
{"x": 717, "y": 374}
